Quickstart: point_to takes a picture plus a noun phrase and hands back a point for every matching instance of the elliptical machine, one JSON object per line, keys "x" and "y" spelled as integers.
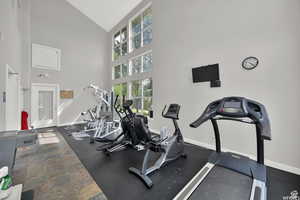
{"x": 171, "y": 147}
{"x": 129, "y": 136}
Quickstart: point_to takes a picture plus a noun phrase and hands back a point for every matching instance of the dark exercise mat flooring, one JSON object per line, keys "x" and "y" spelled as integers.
{"x": 112, "y": 176}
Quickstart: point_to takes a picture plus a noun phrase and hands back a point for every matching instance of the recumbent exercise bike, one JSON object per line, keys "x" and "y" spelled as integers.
{"x": 170, "y": 146}
{"x": 136, "y": 134}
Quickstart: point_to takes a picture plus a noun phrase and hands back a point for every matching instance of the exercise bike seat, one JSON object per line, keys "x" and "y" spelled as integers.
{"x": 141, "y": 128}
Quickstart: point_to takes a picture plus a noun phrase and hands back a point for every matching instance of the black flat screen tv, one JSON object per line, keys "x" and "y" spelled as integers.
{"x": 206, "y": 73}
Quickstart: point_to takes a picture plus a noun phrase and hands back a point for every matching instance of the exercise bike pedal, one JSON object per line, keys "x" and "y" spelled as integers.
{"x": 92, "y": 141}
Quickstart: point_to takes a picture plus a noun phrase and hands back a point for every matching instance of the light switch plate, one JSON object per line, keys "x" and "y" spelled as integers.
{"x": 1, "y": 36}
{"x": 4, "y": 97}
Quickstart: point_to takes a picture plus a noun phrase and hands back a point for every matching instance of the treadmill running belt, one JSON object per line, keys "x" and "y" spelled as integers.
{"x": 223, "y": 184}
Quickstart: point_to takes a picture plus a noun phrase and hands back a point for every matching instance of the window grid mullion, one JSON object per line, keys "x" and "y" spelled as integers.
{"x": 130, "y": 90}
{"x": 142, "y": 83}
{"x": 142, "y": 30}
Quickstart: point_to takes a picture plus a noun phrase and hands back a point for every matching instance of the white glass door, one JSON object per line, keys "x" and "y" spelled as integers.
{"x": 44, "y": 105}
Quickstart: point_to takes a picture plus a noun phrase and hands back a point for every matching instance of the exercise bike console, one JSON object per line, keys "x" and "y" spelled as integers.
{"x": 172, "y": 112}
{"x": 127, "y": 104}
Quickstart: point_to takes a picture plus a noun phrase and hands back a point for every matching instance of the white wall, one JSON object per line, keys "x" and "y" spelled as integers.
{"x": 206, "y": 32}
{"x": 195, "y": 33}
{"x": 14, "y": 26}
{"x": 57, "y": 24}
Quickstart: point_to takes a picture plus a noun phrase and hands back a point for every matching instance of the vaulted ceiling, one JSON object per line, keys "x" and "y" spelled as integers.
{"x": 105, "y": 13}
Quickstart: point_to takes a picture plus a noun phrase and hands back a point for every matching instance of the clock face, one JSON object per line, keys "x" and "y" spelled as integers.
{"x": 250, "y": 63}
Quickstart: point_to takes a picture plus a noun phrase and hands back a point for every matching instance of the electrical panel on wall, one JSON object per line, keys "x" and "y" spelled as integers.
{"x": 45, "y": 57}
{"x": 208, "y": 73}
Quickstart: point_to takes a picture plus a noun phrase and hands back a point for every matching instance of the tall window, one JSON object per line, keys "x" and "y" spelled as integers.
{"x": 120, "y": 46}
{"x": 135, "y": 87}
{"x": 132, "y": 76}
{"x": 141, "y": 29}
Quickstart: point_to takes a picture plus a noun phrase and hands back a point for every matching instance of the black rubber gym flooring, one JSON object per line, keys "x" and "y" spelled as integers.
{"x": 112, "y": 176}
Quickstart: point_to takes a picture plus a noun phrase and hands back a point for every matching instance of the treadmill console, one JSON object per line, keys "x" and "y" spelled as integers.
{"x": 232, "y": 107}
{"x": 172, "y": 112}
{"x": 237, "y": 107}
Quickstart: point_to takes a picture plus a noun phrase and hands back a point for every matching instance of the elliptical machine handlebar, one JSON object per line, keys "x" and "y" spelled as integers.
{"x": 100, "y": 94}
{"x": 117, "y": 107}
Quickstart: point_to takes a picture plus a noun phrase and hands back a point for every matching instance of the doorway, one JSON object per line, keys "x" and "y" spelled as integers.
{"x": 44, "y": 105}
{"x": 12, "y": 100}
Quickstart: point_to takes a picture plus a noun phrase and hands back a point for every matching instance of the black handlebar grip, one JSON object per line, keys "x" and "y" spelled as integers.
{"x": 208, "y": 114}
{"x": 163, "y": 112}
{"x": 200, "y": 120}
{"x": 194, "y": 124}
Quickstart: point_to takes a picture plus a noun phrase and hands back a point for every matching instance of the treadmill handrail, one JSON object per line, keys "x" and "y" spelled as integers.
{"x": 234, "y": 119}
{"x": 236, "y": 108}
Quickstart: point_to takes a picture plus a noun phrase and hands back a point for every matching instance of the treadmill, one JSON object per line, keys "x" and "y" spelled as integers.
{"x": 229, "y": 176}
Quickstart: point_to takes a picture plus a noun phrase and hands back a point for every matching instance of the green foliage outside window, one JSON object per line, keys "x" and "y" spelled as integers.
{"x": 120, "y": 90}
{"x": 136, "y": 89}
{"x": 117, "y": 72}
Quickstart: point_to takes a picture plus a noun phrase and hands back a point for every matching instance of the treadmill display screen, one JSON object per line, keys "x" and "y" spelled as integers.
{"x": 232, "y": 104}
{"x": 232, "y": 107}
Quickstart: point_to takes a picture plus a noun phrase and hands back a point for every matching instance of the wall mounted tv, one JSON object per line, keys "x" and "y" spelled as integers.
{"x": 207, "y": 73}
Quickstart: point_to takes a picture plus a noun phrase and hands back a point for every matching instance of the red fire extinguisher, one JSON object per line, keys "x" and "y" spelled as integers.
{"x": 24, "y": 120}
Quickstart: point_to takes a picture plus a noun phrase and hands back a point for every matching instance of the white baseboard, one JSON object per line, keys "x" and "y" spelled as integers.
{"x": 269, "y": 163}
{"x": 72, "y": 123}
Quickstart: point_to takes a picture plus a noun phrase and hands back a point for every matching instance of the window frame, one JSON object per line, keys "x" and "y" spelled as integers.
{"x": 128, "y": 62}
{"x": 121, "y": 70}
{"x": 142, "y": 63}
{"x": 129, "y": 85}
{"x": 121, "y": 43}
{"x": 130, "y": 78}
{"x": 133, "y": 53}
{"x": 131, "y": 34}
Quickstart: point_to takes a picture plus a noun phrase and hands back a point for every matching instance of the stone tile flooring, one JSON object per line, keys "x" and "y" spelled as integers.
{"x": 53, "y": 171}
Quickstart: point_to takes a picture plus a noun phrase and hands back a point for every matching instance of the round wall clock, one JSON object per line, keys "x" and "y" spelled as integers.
{"x": 250, "y": 63}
